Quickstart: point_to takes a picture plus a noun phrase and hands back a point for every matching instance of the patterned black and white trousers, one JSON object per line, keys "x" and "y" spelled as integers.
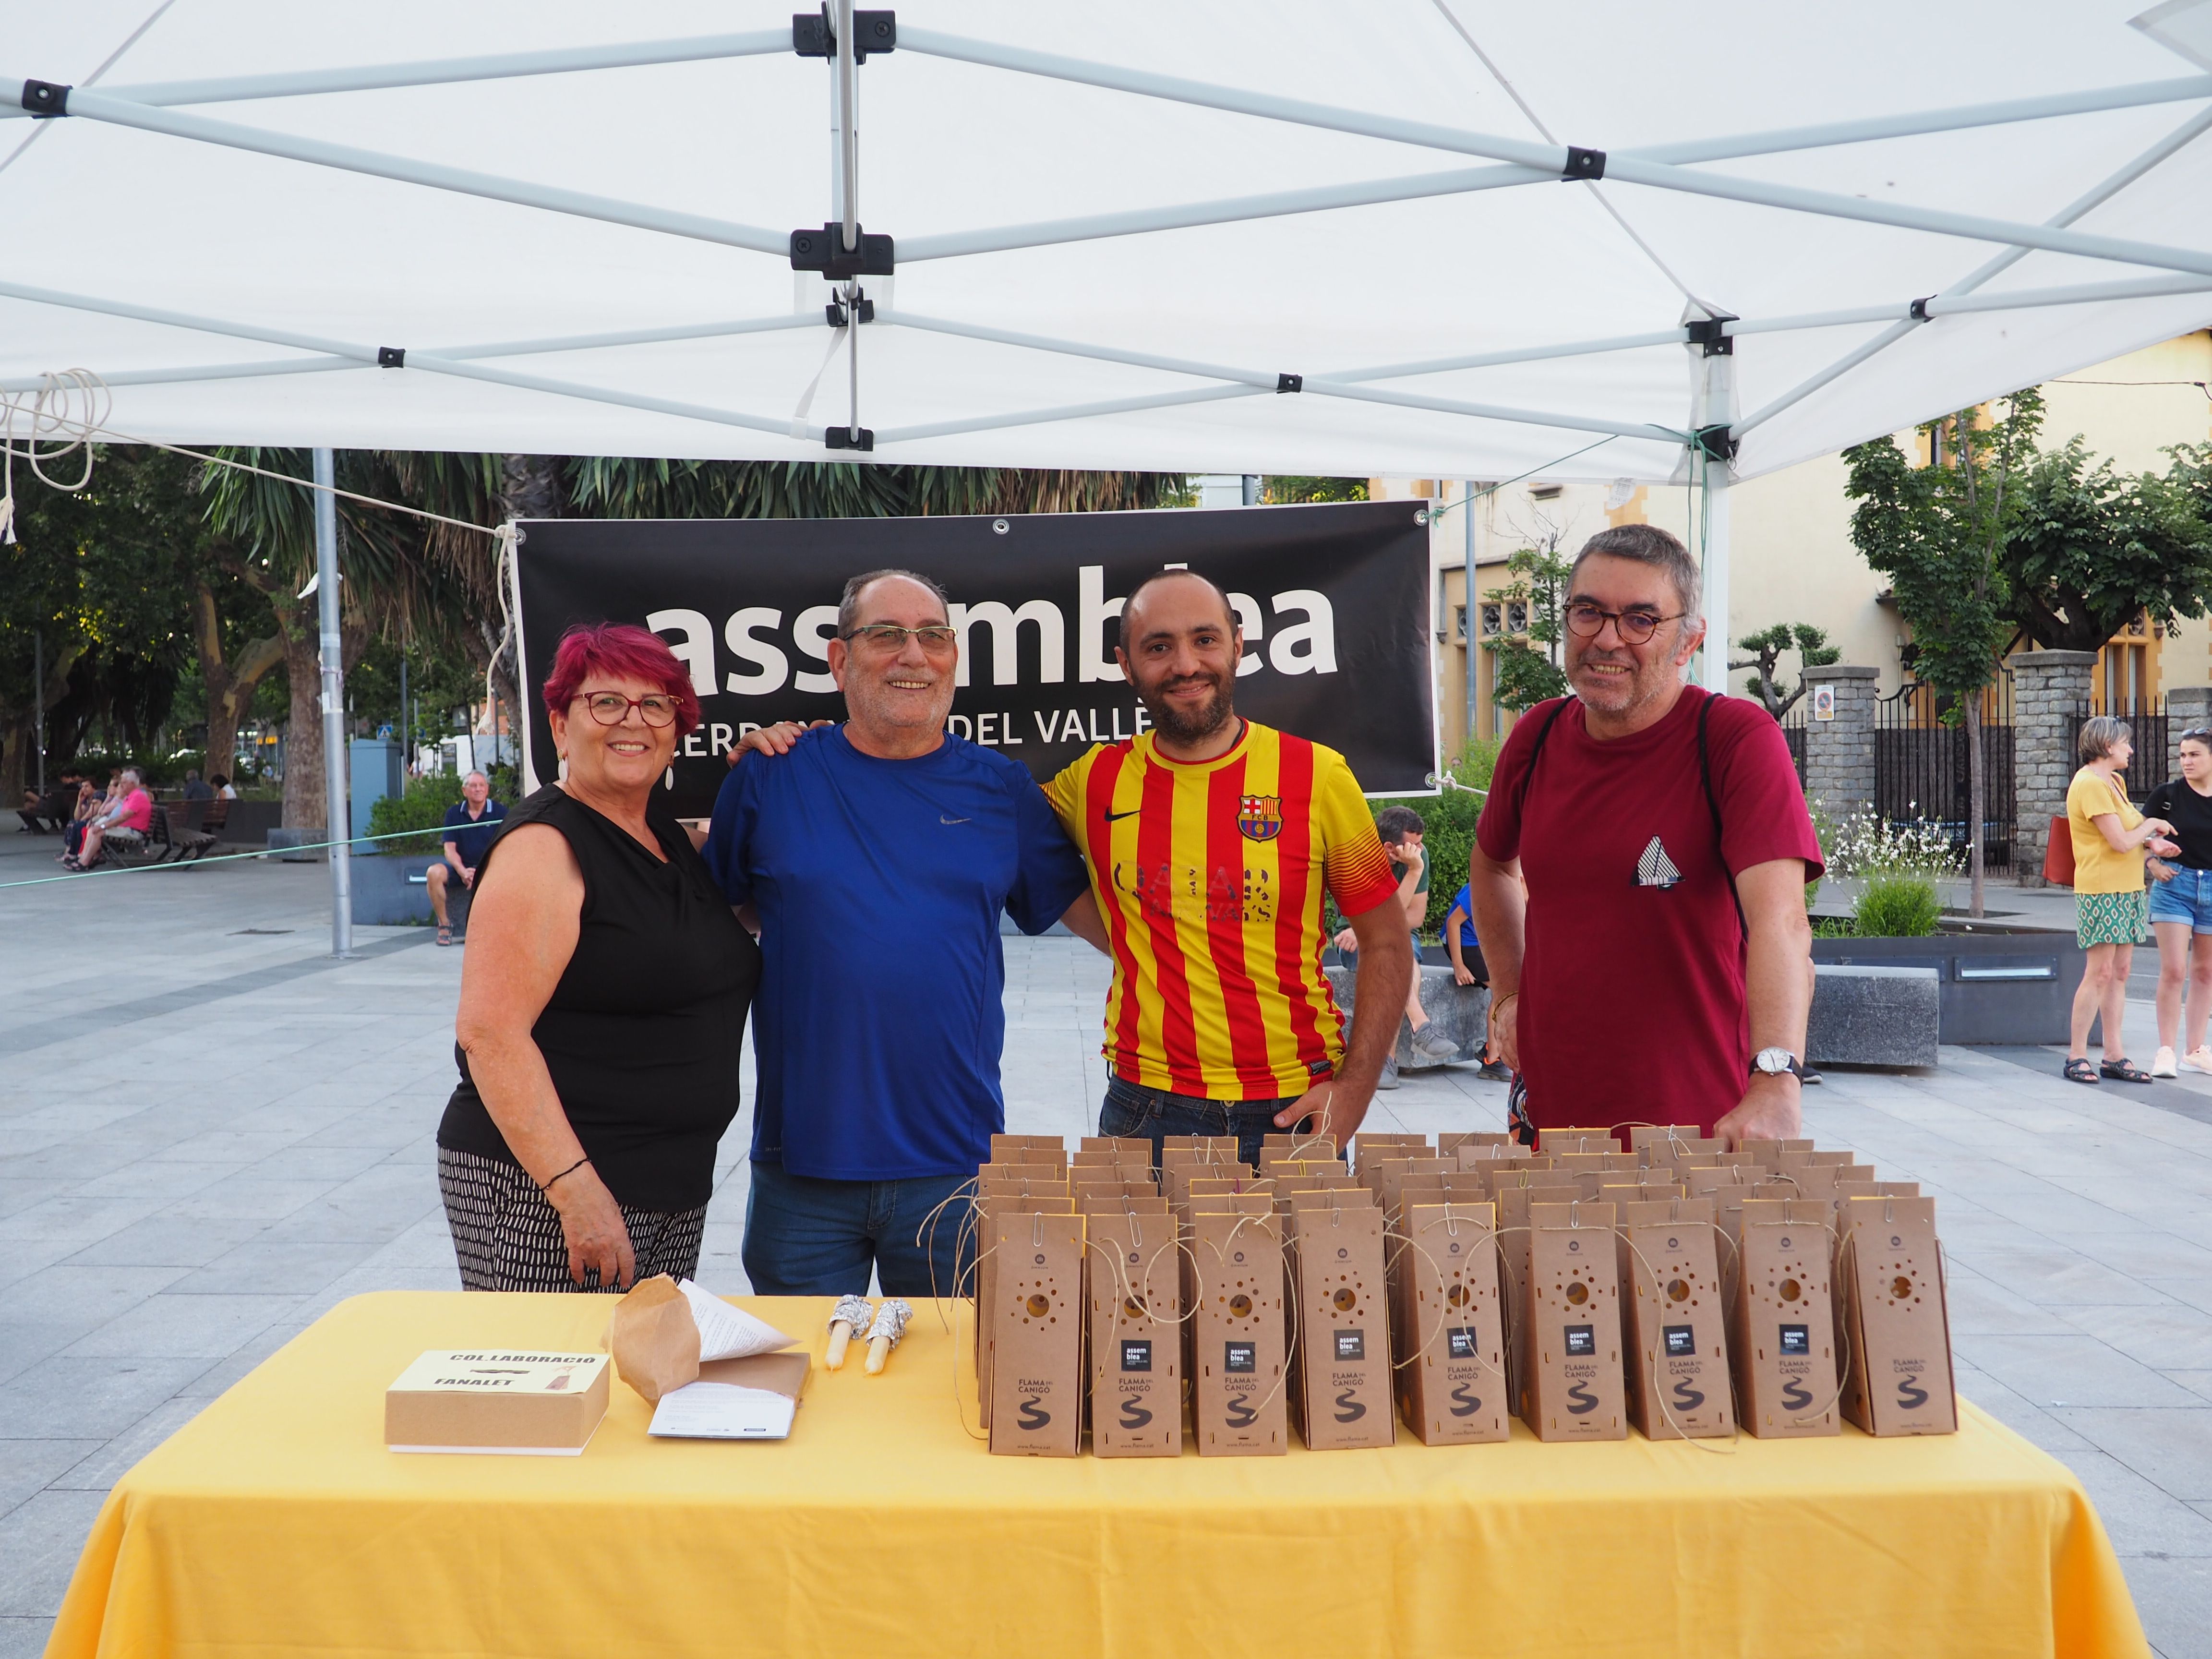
{"x": 506, "y": 1234}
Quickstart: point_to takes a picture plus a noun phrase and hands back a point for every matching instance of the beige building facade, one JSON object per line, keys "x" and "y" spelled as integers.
{"x": 1792, "y": 559}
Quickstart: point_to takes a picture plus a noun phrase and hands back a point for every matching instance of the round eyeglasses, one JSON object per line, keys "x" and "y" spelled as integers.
{"x": 611, "y": 707}
{"x": 1587, "y": 621}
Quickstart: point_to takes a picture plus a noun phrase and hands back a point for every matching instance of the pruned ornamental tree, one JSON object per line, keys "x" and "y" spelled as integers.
{"x": 1527, "y": 670}
{"x": 1767, "y": 648}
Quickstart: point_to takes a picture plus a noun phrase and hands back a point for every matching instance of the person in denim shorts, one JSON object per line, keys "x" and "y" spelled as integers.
{"x": 2181, "y": 907}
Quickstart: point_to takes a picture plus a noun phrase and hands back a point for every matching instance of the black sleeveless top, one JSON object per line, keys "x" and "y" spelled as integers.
{"x": 644, "y": 1031}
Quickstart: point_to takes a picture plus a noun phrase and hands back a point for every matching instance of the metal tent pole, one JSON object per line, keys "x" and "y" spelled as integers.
{"x": 1467, "y": 621}
{"x": 1712, "y": 407}
{"x": 39, "y": 704}
{"x": 333, "y": 661}
{"x": 1716, "y": 551}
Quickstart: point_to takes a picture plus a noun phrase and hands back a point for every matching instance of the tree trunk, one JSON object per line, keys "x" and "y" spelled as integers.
{"x": 304, "y": 794}
{"x": 1975, "y": 798}
{"x": 230, "y": 686}
{"x": 15, "y": 768}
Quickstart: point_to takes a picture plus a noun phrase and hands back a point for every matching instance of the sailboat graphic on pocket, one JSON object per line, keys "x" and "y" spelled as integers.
{"x": 1655, "y": 868}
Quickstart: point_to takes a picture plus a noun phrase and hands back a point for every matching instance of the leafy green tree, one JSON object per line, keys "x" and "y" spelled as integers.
{"x": 1279, "y": 491}
{"x": 2093, "y": 550}
{"x": 1939, "y": 532}
{"x": 1527, "y": 671}
{"x": 1767, "y": 647}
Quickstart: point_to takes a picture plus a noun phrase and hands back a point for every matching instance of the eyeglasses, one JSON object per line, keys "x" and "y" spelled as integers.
{"x": 937, "y": 639}
{"x": 1587, "y": 621}
{"x": 2197, "y": 734}
{"x": 611, "y": 707}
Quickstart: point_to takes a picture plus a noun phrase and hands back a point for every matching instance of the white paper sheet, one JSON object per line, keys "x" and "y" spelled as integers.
{"x": 728, "y": 1332}
{"x": 723, "y": 1411}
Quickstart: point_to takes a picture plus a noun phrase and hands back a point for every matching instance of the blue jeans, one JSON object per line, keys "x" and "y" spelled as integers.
{"x": 1131, "y": 1109}
{"x": 810, "y": 1237}
{"x": 2186, "y": 898}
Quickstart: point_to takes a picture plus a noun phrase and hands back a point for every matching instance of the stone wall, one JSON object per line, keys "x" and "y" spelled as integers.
{"x": 2047, "y": 687}
{"x": 1840, "y": 753}
{"x": 2188, "y": 707}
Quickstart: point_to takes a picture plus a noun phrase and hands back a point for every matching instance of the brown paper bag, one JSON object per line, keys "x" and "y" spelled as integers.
{"x": 1135, "y": 1333}
{"x": 1513, "y": 1192}
{"x": 653, "y": 1338}
{"x": 1575, "y": 1379}
{"x": 1677, "y": 1323}
{"x": 1897, "y": 1323}
{"x": 1450, "y": 1142}
{"x": 1449, "y": 1325}
{"x": 1036, "y": 1316}
{"x": 1238, "y": 1339}
{"x": 988, "y": 1207}
{"x": 1340, "y": 1372}
{"x": 1782, "y": 1335}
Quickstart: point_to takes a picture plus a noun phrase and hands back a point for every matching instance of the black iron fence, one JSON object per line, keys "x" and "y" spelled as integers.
{"x": 1920, "y": 765}
{"x": 2152, "y": 733}
{"x": 1793, "y": 733}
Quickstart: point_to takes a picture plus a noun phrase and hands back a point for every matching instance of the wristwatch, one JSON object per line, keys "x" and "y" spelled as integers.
{"x": 1775, "y": 1061}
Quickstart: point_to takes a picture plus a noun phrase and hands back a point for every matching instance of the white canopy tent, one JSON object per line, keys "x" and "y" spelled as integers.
{"x": 1441, "y": 238}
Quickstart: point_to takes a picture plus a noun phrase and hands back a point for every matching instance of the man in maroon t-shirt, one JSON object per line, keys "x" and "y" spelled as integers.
{"x": 1626, "y": 985}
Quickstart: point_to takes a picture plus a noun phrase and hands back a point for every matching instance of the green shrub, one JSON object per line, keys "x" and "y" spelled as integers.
{"x": 1447, "y": 836}
{"x": 1896, "y": 907}
{"x": 423, "y": 808}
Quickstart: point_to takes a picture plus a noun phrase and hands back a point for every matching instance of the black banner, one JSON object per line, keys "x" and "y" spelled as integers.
{"x": 1334, "y": 601}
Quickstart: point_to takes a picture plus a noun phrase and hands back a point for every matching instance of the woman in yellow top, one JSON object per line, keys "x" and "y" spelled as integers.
{"x": 2109, "y": 838}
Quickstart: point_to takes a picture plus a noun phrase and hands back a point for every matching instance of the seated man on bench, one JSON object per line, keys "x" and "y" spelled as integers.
{"x": 124, "y": 821}
{"x": 471, "y": 827}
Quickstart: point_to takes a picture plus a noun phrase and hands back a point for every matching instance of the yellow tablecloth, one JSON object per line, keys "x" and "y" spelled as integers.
{"x": 276, "y": 1523}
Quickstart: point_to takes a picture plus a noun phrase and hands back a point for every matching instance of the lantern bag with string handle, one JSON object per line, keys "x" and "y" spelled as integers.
{"x": 1576, "y": 1382}
{"x": 1677, "y": 1321}
{"x": 1134, "y": 1329}
{"x": 1036, "y": 1316}
{"x": 1890, "y": 1281}
{"x": 1340, "y": 1293}
{"x": 1239, "y": 1343}
{"x": 1449, "y": 1323}
{"x": 1782, "y": 1334}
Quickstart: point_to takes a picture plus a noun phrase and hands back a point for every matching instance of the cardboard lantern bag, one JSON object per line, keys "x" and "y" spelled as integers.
{"x": 1782, "y": 1340}
{"x": 1238, "y": 1359}
{"x": 1135, "y": 1333}
{"x": 1575, "y": 1379}
{"x": 1342, "y": 1368}
{"x": 1898, "y": 1328}
{"x": 1034, "y": 1318}
{"x": 1450, "y": 1325}
{"x": 1677, "y": 1321}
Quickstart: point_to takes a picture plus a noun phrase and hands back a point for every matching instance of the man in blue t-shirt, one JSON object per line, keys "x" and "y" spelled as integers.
{"x": 875, "y": 857}
{"x": 471, "y": 826}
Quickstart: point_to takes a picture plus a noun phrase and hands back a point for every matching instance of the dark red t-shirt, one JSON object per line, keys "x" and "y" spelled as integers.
{"x": 1631, "y": 1003}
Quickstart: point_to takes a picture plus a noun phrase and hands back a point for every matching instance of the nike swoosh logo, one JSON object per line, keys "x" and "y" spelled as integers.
{"x": 941, "y": 818}
{"x": 1115, "y": 818}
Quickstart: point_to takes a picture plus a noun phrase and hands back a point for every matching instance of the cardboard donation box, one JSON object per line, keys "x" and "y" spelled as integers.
{"x": 1238, "y": 1337}
{"x": 1576, "y": 1380}
{"x": 1135, "y": 1333}
{"x": 1783, "y": 1335}
{"x": 1034, "y": 1318}
{"x": 1896, "y": 1325}
{"x": 1678, "y": 1369}
{"x": 1448, "y": 1326}
{"x": 488, "y": 1400}
{"x": 1342, "y": 1366}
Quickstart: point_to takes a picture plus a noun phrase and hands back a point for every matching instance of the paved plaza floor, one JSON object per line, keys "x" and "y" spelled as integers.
{"x": 210, "y": 1132}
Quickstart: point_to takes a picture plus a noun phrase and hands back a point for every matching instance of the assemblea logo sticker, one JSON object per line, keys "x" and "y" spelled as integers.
{"x": 1260, "y": 817}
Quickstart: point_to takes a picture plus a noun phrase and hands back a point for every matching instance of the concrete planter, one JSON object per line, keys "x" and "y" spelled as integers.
{"x": 1995, "y": 988}
{"x": 1461, "y": 1012}
{"x": 389, "y": 889}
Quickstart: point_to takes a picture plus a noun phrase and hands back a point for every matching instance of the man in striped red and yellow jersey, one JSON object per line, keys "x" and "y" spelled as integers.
{"x": 1211, "y": 841}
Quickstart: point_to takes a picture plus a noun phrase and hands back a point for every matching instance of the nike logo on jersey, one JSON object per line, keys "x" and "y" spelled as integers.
{"x": 1655, "y": 868}
{"x": 1115, "y": 818}
{"x": 941, "y": 818}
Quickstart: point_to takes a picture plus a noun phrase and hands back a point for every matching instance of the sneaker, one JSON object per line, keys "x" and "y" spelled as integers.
{"x": 2197, "y": 1060}
{"x": 1494, "y": 1071}
{"x": 2161, "y": 1064}
{"x": 1390, "y": 1078}
{"x": 1430, "y": 1042}
{"x": 1806, "y": 1076}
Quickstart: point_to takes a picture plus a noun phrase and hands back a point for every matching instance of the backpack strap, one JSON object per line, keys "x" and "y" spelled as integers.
{"x": 1713, "y": 806}
{"x": 1535, "y": 751}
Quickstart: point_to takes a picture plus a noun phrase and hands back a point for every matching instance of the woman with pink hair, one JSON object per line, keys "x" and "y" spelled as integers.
{"x": 603, "y": 1001}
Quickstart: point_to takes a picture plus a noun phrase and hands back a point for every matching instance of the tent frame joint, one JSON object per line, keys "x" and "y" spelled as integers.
{"x": 1711, "y": 335}
{"x": 1583, "y": 166}
{"x": 814, "y": 35}
{"x": 45, "y": 99}
{"x": 824, "y": 251}
{"x": 860, "y": 438}
{"x": 392, "y": 356}
{"x": 1918, "y": 309}
{"x": 1715, "y": 442}
{"x": 1289, "y": 383}
{"x": 862, "y": 310}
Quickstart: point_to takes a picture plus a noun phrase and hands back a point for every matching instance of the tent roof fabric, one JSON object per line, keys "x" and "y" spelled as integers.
{"x": 229, "y": 265}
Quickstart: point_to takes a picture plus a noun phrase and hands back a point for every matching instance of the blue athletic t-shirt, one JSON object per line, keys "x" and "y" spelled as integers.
{"x": 879, "y": 1020}
{"x": 1464, "y": 900}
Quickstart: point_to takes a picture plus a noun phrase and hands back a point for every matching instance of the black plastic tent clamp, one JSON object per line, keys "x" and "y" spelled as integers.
{"x": 812, "y": 35}
{"x": 45, "y": 99}
{"x": 863, "y": 310}
{"x": 392, "y": 356}
{"x": 1582, "y": 164}
{"x": 1714, "y": 442}
{"x": 1712, "y": 333}
{"x": 841, "y": 437}
{"x": 1289, "y": 383}
{"x": 1920, "y": 309}
{"x": 824, "y": 251}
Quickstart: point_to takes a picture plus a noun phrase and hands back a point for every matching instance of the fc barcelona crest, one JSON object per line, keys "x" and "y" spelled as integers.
{"x": 1260, "y": 817}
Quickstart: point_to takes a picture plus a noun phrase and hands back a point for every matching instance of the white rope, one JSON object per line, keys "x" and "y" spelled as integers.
{"x": 62, "y": 413}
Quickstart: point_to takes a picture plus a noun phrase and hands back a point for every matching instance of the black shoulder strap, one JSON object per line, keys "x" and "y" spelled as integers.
{"x": 1536, "y": 749}
{"x": 1713, "y": 806}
